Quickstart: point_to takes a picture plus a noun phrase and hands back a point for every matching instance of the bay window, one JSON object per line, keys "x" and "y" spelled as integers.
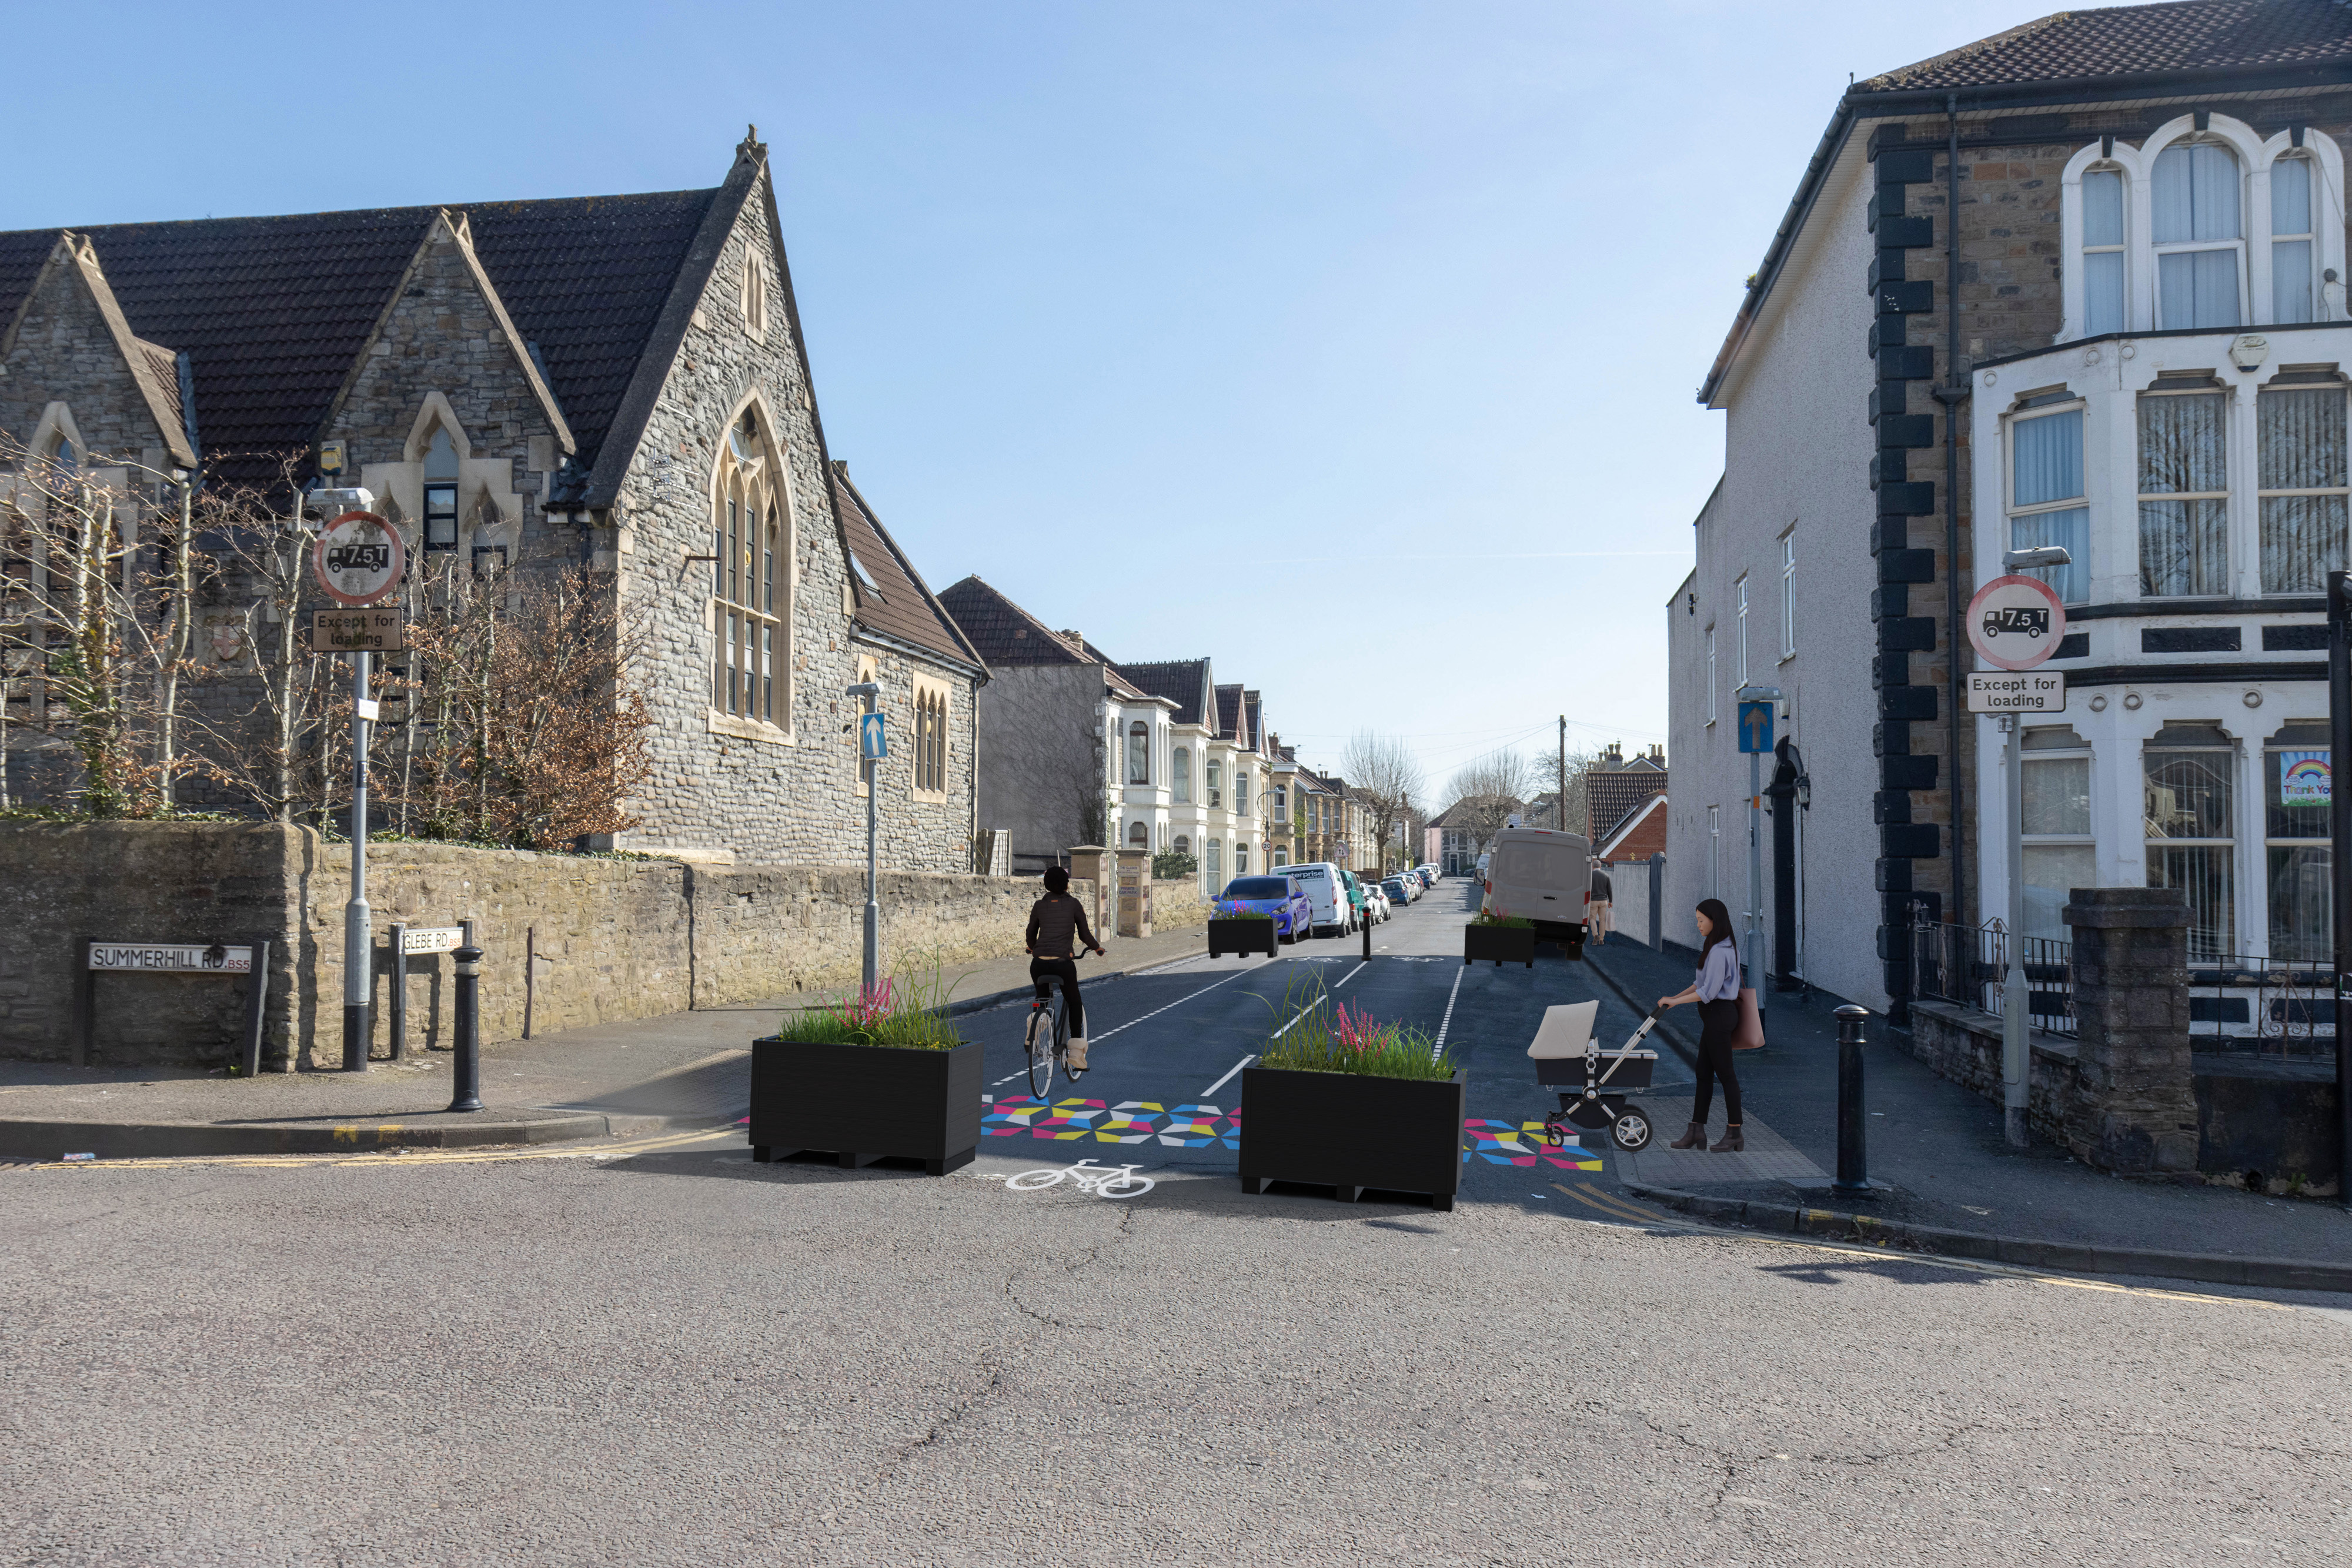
{"x": 2046, "y": 504}
{"x": 2103, "y": 252}
{"x": 1138, "y": 753}
{"x": 2292, "y": 237}
{"x": 2190, "y": 796}
{"x": 2294, "y": 832}
{"x": 2054, "y": 826}
{"x": 1183, "y": 775}
{"x": 2200, "y": 236}
{"x": 2184, "y": 504}
{"x": 2302, "y": 474}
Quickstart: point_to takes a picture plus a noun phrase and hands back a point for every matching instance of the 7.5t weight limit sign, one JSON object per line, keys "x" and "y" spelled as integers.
{"x": 359, "y": 559}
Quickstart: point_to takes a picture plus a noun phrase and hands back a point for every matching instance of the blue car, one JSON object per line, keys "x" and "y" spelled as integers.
{"x": 1293, "y": 911}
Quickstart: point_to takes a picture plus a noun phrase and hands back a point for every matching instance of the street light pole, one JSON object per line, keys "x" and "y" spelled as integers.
{"x": 2016, "y": 996}
{"x": 872, "y": 970}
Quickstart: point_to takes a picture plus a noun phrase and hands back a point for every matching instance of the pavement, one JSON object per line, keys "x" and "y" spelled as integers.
{"x": 1952, "y": 1183}
{"x": 634, "y": 1078}
{"x": 659, "y": 1353}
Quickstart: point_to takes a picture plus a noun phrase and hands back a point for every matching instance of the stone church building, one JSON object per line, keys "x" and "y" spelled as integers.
{"x": 618, "y": 382}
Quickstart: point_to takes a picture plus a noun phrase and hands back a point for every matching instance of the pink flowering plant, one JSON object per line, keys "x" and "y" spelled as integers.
{"x": 1325, "y": 1037}
{"x": 906, "y": 1014}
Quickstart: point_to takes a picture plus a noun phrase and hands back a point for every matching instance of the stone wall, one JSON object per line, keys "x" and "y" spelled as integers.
{"x": 615, "y": 938}
{"x": 1965, "y": 1046}
{"x": 787, "y": 797}
{"x": 1178, "y": 906}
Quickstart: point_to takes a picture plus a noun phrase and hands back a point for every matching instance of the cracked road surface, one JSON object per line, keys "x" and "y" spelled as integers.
{"x": 684, "y": 1357}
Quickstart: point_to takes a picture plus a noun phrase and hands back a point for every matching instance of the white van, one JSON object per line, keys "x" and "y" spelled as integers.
{"x": 1335, "y": 913}
{"x": 1541, "y": 874}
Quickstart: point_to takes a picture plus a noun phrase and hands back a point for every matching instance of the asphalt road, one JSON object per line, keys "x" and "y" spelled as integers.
{"x": 673, "y": 1356}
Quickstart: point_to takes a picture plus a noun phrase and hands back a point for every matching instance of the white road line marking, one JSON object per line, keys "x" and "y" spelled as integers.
{"x": 1444, "y": 1023}
{"x": 1228, "y": 1078}
{"x": 1351, "y": 973}
{"x": 1131, "y": 1023}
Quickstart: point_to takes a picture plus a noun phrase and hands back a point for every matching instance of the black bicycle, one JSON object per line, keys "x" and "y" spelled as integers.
{"x": 1048, "y": 1038}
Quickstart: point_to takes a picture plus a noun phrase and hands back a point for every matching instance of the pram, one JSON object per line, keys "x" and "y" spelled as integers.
{"x": 1592, "y": 1083}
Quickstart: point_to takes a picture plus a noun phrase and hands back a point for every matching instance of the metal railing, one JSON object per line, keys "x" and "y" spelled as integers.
{"x": 2262, "y": 1007}
{"x": 1968, "y": 965}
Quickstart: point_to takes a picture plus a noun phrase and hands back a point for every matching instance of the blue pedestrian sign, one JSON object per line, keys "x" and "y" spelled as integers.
{"x": 1754, "y": 727}
{"x": 870, "y": 744}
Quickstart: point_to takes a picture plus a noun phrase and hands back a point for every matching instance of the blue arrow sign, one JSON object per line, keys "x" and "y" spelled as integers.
{"x": 870, "y": 743}
{"x": 1755, "y": 727}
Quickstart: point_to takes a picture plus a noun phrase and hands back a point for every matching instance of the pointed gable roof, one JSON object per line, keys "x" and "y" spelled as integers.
{"x": 1001, "y": 631}
{"x": 1184, "y": 682}
{"x": 154, "y": 368}
{"x": 890, "y": 597}
{"x": 271, "y": 311}
{"x": 1233, "y": 716}
{"x": 2136, "y": 40}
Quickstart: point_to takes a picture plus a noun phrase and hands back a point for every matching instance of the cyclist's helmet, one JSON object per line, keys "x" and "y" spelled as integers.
{"x": 1057, "y": 879}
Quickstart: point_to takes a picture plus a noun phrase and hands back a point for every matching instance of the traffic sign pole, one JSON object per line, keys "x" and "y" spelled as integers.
{"x": 2015, "y": 623}
{"x": 1755, "y": 739}
{"x": 359, "y": 559}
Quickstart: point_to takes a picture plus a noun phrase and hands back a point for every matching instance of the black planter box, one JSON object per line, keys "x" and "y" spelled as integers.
{"x": 1349, "y": 1132}
{"x": 1239, "y": 936}
{"x": 865, "y": 1103}
{"x": 1503, "y": 944}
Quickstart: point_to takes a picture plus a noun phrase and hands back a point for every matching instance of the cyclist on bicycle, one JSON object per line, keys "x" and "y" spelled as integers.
{"x": 1057, "y": 931}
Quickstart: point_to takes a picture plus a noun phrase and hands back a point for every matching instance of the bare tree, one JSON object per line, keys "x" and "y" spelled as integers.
{"x": 1385, "y": 778}
{"x": 1485, "y": 792}
{"x": 96, "y": 638}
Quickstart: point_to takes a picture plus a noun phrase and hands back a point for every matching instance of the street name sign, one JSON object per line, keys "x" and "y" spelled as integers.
{"x": 2015, "y": 622}
{"x": 2024, "y": 691}
{"x": 871, "y": 744}
{"x": 359, "y": 559}
{"x": 170, "y": 958}
{"x": 364, "y": 631}
{"x": 431, "y": 938}
{"x": 1754, "y": 727}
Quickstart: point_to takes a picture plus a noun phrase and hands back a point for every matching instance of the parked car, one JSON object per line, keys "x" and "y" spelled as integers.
{"x": 1325, "y": 887}
{"x": 1280, "y": 896}
{"x": 1377, "y": 907}
{"x": 1541, "y": 874}
{"x": 1399, "y": 890}
{"x": 1410, "y": 888}
{"x": 1427, "y": 879}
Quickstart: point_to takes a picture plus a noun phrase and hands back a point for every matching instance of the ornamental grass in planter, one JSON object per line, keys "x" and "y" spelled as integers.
{"x": 880, "y": 1074}
{"x": 1505, "y": 938}
{"x": 1341, "y": 1100}
{"x": 1238, "y": 933}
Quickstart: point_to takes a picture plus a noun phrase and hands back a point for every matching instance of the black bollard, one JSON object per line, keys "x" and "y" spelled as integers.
{"x": 1854, "y": 1142}
{"x": 1368, "y": 931}
{"x": 468, "y": 1030}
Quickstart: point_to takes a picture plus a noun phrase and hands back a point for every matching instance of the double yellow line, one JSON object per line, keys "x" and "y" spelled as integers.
{"x": 415, "y": 1156}
{"x": 1610, "y": 1204}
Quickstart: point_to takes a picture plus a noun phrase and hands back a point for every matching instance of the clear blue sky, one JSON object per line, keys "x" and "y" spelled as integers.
{"x": 1351, "y": 344}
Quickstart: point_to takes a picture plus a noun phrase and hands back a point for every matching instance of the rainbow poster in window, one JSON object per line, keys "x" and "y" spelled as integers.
{"x": 2302, "y": 779}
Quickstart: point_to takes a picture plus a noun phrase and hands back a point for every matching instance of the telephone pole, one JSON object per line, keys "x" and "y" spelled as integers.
{"x": 1559, "y": 802}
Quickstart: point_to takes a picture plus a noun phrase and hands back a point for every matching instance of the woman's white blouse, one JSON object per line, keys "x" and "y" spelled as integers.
{"x": 1718, "y": 978}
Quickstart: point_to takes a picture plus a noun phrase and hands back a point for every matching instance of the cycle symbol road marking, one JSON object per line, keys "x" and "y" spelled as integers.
{"x": 1103, "y": 1181}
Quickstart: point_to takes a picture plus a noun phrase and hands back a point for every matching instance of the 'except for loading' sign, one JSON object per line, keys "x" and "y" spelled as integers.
{"x": 2015, "y": 622}
{"x": 2023, "y": 691}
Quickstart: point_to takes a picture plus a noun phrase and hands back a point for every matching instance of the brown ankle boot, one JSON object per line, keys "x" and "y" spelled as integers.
{"x": 1732, "y": 1142}
{"x": 1696, "y": 1138}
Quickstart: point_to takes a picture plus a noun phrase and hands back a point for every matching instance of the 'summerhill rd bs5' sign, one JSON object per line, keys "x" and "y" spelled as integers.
{"x": 170, "y": 958}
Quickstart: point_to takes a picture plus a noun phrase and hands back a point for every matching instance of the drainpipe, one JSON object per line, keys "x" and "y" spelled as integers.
{"x": 1951, "y": 394}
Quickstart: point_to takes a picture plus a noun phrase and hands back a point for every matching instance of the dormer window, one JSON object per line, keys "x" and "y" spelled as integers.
{"x": 2199, "y": 238}
{"x": 2292, "y": 241}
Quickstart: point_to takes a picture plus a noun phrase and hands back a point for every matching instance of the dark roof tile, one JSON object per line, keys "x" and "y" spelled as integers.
{"x": 272, "y": 310}
{"x": 2132, "y": 41}
{"x": 891, "y": 597}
